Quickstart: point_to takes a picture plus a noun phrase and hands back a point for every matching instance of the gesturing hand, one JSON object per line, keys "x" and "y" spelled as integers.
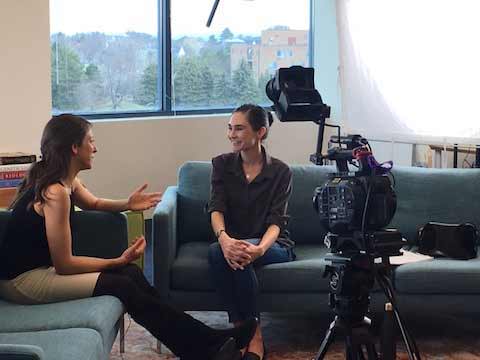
{"x": 234, "y": 253}
{"x": 134, "y": 251}
{"x": 139, "y": 200}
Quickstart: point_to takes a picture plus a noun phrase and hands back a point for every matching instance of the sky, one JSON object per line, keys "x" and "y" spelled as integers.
{"x": 189, "y": 17}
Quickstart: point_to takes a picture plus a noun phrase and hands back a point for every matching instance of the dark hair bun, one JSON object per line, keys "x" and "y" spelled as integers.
{"x": 270, "y": 117}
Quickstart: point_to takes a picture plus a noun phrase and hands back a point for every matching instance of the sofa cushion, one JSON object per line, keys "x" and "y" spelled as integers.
{"x": 85, "y": 344}
{"x": 441, "y": 195}
{"x": 190, "y": 271}
{"x": 99, "y": 313}
{"x": 439, "y": 276}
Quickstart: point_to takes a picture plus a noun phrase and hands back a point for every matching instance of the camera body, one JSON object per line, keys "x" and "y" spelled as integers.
{"x": 356, "y": 206}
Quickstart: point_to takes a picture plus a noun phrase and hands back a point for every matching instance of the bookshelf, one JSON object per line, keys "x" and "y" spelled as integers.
{"x": 13, "y": 168}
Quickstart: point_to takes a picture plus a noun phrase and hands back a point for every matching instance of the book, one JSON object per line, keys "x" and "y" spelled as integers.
{"x": 10, "y": 183}
{"x": 17, "y": 158}
{"x": 14, "y": 167}
{"x": 11, "y": 175}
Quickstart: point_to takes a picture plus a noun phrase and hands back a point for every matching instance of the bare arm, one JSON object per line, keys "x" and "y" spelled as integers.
{"x": 138, "y": 200}
{"x": 56, "y": 211}
{"x": 270, "y": 236}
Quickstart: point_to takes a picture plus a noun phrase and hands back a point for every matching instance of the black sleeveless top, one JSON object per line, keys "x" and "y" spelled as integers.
{"x": 25, "y": 245}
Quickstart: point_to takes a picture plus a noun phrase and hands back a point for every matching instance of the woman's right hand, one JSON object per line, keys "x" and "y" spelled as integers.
{"x": 234, "y": 252}
{"x": 134, "y": 251}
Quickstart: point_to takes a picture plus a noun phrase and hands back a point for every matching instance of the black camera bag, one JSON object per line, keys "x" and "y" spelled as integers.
{"x": 457, "y": 241}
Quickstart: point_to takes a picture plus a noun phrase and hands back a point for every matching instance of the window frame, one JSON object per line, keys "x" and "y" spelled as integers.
{"x": 164, "y": 72}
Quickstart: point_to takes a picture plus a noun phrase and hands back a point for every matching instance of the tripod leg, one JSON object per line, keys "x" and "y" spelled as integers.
{"x": 327, "y": 340}
{"x": 372, "y": 353}
{"x": 361, "y": 356}
{"x": 352, "y": 350}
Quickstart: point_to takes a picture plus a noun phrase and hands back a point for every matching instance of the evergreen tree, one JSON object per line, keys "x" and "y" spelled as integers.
{"x": 222, "y": 90}
{"x": 187, "y": 82}
{"x": 90, "y": 91}
{"x": 147, "y": 92}
{"x": 206, "y": 86}
{"x": 262, "y": 83}
{"x": 66, "y": 75}
{"x": 244, "y": 87}
{"x": 92, "y": 72}
{"x": 226, "y": 35}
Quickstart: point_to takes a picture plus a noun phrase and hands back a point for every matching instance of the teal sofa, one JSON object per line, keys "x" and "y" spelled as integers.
{"x": 181, "y": 237}
{"x": 77, "y": 329}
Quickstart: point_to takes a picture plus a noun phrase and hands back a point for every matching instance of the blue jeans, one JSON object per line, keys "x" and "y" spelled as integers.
{"x": 238, "y": 289}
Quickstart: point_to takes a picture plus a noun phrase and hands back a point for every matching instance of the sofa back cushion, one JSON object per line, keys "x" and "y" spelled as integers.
{"x": 423, "y": 195}
{"x": 442, "y": 195}
{"x": 194, "y": 192}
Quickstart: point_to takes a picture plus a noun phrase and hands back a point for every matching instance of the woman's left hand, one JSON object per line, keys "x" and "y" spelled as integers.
{"x": 255, "y": 251}
{"x": 139, "y": 200}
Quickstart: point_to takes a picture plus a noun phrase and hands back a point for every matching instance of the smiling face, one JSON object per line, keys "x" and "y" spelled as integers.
{"x": 241, "y": 134}
{"x": 84, "y": 153}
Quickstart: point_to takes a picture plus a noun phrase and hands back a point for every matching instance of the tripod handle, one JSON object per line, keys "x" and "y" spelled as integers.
{"x": 388, "y": 339}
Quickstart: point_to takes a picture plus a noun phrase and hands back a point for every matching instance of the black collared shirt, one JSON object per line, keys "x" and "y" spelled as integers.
{"x": 250, "y": 208}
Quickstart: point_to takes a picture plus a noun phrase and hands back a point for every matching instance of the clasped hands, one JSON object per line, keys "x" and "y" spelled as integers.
{"x": 239, "y": 253}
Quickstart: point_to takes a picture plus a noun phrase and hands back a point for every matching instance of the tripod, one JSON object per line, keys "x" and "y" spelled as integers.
{"x": 351, "y": 279}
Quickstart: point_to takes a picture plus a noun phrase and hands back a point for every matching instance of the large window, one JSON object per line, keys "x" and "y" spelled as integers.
{"x": 104, "y": 56}
{"x": 122, "y": 58}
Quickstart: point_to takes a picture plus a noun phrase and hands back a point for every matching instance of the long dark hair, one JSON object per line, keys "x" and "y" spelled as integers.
{"x": 60, "y": 133}
{"x": 257, "y": 117}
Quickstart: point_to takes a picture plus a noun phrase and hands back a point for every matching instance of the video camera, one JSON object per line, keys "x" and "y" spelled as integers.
{"x": 353, "y": 206}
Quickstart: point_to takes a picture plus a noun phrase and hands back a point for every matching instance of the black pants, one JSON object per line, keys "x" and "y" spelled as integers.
{"x": 182, "y": 334}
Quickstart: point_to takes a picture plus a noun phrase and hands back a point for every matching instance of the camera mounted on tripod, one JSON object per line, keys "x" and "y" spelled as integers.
{"x": 355, "y": 207}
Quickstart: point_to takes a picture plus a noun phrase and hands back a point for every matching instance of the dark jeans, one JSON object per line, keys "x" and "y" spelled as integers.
{"x": 181, "y": 333}
{"x": 238, "y": 289}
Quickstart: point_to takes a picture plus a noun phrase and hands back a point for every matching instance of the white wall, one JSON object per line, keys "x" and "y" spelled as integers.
{"x": 130, "y": 152}
{"x": 151, "y": 150}
{"x": 24, "y": 73}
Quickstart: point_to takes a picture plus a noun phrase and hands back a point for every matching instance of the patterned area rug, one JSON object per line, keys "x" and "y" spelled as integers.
{"x": 298, "y": 337}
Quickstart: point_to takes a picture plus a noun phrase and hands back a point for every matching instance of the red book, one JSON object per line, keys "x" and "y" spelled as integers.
{"x": 11, "y": 175}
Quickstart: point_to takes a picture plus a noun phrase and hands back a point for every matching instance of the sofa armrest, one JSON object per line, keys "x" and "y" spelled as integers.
{"x": 21, "y": 352}
{"x": 164, "y": 233}
{"x": 99, "y": 233}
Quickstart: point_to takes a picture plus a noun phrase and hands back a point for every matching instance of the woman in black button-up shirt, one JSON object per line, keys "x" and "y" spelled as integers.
{"x": 248, "y": 203}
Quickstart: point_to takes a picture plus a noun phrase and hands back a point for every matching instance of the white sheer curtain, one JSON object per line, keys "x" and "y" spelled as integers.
{"x": 410, "y": 67}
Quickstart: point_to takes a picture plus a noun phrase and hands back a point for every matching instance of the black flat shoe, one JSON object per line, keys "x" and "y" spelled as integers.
{"x": 227, "y": 351}
{"x": 242, "y": 334}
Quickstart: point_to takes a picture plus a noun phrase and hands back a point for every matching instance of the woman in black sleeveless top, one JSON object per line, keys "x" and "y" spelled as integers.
{"x": 37, "y": 264}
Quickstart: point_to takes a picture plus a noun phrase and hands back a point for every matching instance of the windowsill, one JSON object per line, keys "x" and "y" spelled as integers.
{"x": 162, "y": 117}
